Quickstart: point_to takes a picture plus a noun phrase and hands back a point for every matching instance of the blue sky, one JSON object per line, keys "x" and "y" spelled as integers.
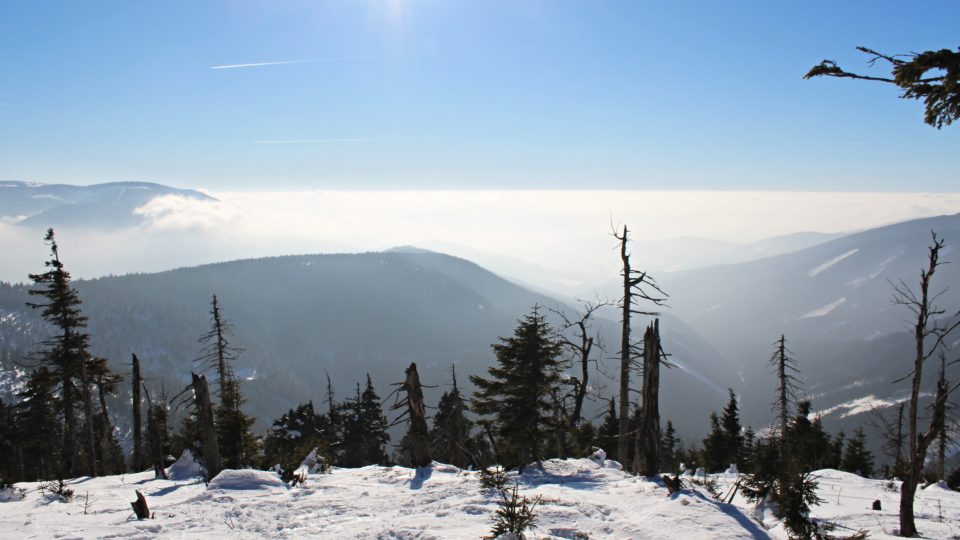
{"x": 488, "y": 94}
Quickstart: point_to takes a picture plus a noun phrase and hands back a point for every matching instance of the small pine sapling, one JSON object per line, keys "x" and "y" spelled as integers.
{"x": 515, "y": 514}
{"x": 493, "y": 480}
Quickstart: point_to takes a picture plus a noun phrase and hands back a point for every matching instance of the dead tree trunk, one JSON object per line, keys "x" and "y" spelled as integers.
{"x": 633, "y": 289}
{"x": 137, "y": 421}
{"x": 787, "y": 383}
{"x": 156, "y": 427}
{"x": 580, "y": 345}
{"x": 107, "y": 461}
{"x": 625, "y": 351}
{"x": 417, "y": 434}
{"x": 927, "y": 327}
{"x": 204, "y": 409}
{"x": 647, "y": 455}
{"x": 91, "y": 441}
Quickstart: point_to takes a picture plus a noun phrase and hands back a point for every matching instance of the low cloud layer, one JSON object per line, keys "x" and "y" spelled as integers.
{"x": 563, "y": 236}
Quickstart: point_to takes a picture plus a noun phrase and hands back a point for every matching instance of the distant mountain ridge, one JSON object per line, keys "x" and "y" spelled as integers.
{"x": 108, "y": 205}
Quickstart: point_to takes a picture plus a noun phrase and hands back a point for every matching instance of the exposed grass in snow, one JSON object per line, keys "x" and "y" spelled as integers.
{"x": 580, "y": 498}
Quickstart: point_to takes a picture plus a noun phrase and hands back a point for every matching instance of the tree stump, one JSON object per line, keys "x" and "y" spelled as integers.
{"x": 876, "y": 504}
{"x": 140, "y": 507}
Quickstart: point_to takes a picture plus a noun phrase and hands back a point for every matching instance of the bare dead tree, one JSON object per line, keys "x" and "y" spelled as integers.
{"x": 217, "y": 353}
{"x": 929, "y": 332}
{"x": 580, "y": 345}
{"x": 787, "y": 385}
{"x": 892, "y": 437}
{"x": 137, "y": 421}
{"x": 637, "y": 286}
{"x": 417, "y": 435}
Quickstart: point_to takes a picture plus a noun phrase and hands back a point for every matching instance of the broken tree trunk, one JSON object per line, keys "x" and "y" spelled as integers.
{"x": 647, "y": 456}
{"x": 90, "y": 439}
{"x": 157, "y": 435}
{"x": 137, "y": 421}
{"x": 140, "y": 507}
{"x": 625, "y": 352}
{"x": 419, "y": 438}
{"x": 107, "y": 462}
{"x": 211, "y": 449}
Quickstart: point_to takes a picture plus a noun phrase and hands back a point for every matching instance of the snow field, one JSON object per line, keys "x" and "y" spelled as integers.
{"x": 580, "y": 498}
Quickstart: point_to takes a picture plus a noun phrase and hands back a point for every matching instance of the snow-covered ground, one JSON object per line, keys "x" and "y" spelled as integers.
{"x": 580, "y": 498}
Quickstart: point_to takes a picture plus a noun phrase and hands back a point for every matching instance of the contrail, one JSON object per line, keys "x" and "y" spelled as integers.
{"x": 307, "y": 141}
{"x": 258, "y": 64}
{"x": 315, "y": 60}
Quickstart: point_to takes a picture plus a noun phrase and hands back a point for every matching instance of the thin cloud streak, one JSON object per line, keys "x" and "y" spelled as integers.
{"x": 317, "y": 60}
{"x": 317, "y": 141}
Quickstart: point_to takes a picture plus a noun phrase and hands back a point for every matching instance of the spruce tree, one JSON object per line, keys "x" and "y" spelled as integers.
{"x": 715, "y": 446}
{"x": 374, "y": 425}
{"x": 294, "y": 435}
{"x": 733, "y": 439}
{"x": 835, "y": 455}
{"x": 856, "y": 458}
{"x": 609, "y": 431}
{"x": 748, "y": 451}
{"x": 37, "y": 429}
{"x": 67, "y": 358}
{"x": 450, "y": 435}
{"x": 668, "y": 448}
{"x": 517, "y": 394}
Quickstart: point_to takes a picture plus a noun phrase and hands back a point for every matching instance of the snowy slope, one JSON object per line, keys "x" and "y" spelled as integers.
{"x": 580, "y": 499}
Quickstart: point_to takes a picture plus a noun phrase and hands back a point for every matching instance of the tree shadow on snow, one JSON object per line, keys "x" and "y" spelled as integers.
{"x": 420, "y": 476}
{"x": 537, "y": 475}
{"x": 749, "y": 526}
{"x": 170, "y": 489}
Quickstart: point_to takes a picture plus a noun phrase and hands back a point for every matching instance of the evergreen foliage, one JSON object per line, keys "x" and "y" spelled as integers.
{"x": 723, "y": 445}
{"x": 668, "y": 448}
{"x": 515, "y": 514}
{"x": 37, "y": 428}
{"x": 856, "y": 458}
{"x": 517, "y": 394}
{"x": 715, "y": 447}
{"x": 931, "y": 76}
{"x": 450, "y": 439}
{"x": 294, "y": 435}
{"x": 364, "y": 429}
{"x": 609, "y": 430}
{"x": 809, "y": 443}
{"x": 730, "y": 421}
{"x": 67, "y": 359}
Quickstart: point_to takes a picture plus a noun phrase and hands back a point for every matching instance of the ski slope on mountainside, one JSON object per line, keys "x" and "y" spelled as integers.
{"x": 580, "y": 498}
